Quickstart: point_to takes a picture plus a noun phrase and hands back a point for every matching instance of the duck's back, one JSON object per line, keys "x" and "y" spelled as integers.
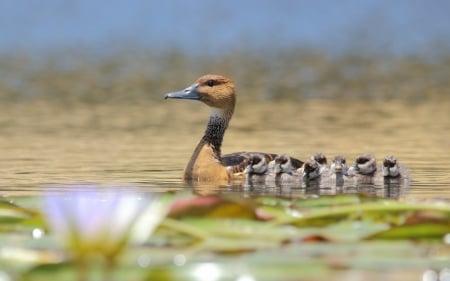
{"x": 237, "y": 162}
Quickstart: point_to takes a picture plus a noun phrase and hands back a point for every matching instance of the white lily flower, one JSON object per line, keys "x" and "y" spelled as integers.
{"x": 93, "y": 222}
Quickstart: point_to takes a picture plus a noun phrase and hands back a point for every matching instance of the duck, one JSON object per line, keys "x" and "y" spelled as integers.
{"x": 258, "y": 172}
{"x": 257, "y": 168}
{"x": 311, "y": 170}
{"x": 257, "y": 164}
{"x": 207, "y": 163}
{"x": 364, "y": 170}
{"x": 338, "y": 171}
{"x": 393, "y": 171}
{"x": 320, "y": 158}
{"x": 338, "y": 165}
{"x": 284, "y": 169}
{"x": 283, "y": 163}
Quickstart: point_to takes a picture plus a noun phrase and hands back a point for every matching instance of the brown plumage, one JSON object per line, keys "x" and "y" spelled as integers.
{"x": 207, "y": 163}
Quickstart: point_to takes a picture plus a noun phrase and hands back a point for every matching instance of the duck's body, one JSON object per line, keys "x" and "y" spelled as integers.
{"x": 207, "y": 163}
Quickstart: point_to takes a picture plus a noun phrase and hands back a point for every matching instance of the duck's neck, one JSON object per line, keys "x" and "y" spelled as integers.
{"x": 215, "y": 130}
{"x": 205, "y": 163}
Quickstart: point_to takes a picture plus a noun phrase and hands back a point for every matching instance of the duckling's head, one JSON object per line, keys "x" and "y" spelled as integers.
{"x": 311, "y": 170}
{"x": 214, "y": 90}
{"x": 338, "y": 165}
{"x": 390, "y": 167}
{"x": 320, "y": 158}
{"x": 257, "y": 164}
{"x": 283, "y": 164}
{"x": 364, "y": 164}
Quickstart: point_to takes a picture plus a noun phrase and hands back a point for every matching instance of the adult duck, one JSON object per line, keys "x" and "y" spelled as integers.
{"x": 207, "y": 163}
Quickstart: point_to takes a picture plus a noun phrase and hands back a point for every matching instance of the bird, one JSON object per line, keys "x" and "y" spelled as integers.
{"x": 321, "y": 159}
{"x": 364, "y": 170}
{"x": 283, "y": 163}
{"x": 311, "y": 170}
{"x": 338, "y": 171}
{"x": 393, "y": 172}
{"x": 258, "y": 172}
{"x": 284, "y": 169}
{"x": 338, "y": 165}
{"x": 257, "y": 164}
{"x": 207, "y": 163}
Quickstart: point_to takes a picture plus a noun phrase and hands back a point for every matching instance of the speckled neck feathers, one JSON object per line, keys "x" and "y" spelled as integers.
{"x": 215, "y": 130}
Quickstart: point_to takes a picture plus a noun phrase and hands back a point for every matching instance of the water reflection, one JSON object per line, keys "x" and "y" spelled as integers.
{"x": 387, "y": 190}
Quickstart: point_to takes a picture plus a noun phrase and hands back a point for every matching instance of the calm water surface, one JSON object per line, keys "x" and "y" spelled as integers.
{"x": 48, "y": 146}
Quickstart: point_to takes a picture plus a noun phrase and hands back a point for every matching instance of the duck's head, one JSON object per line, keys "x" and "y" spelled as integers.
{"x": 216, "y": 91}
{"x": 283, "y": 164}
{"x": 338, "y": 165}
{"x": 390, "y": 167}
{"x": 320, "y": 158}
{"x": 311, "y": 170}
{"x": 364, "y": 164}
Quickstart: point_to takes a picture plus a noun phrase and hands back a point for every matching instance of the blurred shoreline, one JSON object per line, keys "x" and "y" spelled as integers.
{"x": 133, "y": 74}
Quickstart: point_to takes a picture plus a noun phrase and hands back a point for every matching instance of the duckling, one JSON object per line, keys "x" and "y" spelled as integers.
{"x": 257, "y": 168}
{"x": 364, "y": 170}
{"x": 320, "y": 158}
{"x": 322, "y": 161}
{"x": 338, "y": 171}
{"x": 311, "y": 170}
{"x": 338, "y": 165}
{"x": 283, "y": 163}
{"x": 257, "y": 164}
{"x": 207, "y": 163}
{"x": 258, "y": 172}
{"x": 394, "y": 172}
{"x": 284, "y": 169}
{"x": 365, "y": 164}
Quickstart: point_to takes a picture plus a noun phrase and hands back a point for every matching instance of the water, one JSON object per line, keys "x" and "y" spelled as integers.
{"x": 145, "y": 146}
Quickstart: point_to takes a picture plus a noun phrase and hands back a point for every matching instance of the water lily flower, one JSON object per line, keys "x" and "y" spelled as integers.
{"x": 93, "y": 222}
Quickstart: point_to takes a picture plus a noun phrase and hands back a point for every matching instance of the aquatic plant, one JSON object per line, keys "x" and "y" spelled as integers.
{"x": 89, "y": 222}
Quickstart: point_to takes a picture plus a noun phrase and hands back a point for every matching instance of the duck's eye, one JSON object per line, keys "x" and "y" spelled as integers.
{"x": 210, "y": 83}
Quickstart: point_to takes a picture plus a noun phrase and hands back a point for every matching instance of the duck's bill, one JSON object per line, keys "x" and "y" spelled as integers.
{"x": 190, "y": 93}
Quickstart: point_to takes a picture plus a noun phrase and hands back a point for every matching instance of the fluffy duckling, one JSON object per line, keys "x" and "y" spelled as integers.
{"x": 311, "y": 170}
{"x": 283, "y": 163}
{"x": 320, "y": 158}
{"x": 257, "y": 164}
{"x": 207, "y": 163}
{"x": 258, "y": 171}
{"x": 364, "y": 165}
{"x": 364, "y": 170}
{"x": 338, "y": 171}
{"x": 393, "y": 171}
{"x": 284, "y": 169}
{"x": 338, "y": 165}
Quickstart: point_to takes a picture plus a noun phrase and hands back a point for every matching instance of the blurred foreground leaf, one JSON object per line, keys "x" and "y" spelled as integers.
{"x": 313, "y": 238}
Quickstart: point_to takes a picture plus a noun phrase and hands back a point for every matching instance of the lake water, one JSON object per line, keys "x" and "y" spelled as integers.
{"x": 145, "y": 146}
